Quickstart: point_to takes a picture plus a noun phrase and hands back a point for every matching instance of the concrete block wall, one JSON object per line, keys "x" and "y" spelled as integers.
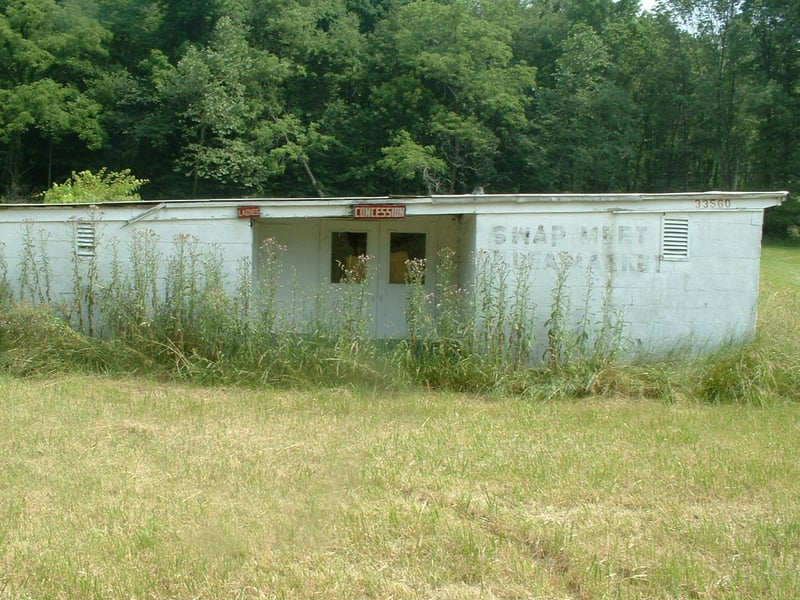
{"x": 699, "y": 302}
{"x": 51, "y": 234}
{"x": 609, "y": 248}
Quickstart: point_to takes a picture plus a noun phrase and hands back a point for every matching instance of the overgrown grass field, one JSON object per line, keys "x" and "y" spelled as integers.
{"x": 639, "y": 487}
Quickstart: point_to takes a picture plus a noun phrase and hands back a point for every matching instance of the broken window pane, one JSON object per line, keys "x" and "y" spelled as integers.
{"x": 404, "y": 247}
{"x": 348, "y": 256}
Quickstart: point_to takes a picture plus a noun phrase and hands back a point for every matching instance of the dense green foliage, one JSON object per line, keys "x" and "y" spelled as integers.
{"x": 336, "y": 97}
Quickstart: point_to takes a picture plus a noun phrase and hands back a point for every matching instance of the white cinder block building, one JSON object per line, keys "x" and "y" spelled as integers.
{"x": 680, "y": 270}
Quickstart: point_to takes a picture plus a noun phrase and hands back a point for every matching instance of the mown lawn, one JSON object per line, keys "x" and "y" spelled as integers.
{"x": 129, "y": 488}
{"x": 780, "y": 269}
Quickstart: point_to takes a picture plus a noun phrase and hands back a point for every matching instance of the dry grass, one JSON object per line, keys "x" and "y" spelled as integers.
{"x": 123, "y": 488}
{"x": 126, "y": 488}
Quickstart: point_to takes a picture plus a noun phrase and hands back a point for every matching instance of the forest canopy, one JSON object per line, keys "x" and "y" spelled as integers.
{"x": 297, "y": 98}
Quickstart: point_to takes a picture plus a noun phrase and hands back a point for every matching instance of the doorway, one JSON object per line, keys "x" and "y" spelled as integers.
{"x": 323, "y": 259}
{"x": 376, "y": 254}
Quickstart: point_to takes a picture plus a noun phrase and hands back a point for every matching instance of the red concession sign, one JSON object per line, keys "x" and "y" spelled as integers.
{"x": 379, "y": 211}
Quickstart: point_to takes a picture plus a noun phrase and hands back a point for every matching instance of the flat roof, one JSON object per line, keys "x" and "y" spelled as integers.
{"x": 777, "y": 196}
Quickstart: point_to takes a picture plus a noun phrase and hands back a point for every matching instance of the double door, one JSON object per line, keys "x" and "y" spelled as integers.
{"x": 377, "y": 254}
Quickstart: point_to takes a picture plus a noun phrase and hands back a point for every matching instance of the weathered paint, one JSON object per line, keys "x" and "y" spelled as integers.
{"x": 610, "y": 247}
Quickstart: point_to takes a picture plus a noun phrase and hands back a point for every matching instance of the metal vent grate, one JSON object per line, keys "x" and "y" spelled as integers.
{"x": 85, "y": 239}
{"x": 675, "y": 238}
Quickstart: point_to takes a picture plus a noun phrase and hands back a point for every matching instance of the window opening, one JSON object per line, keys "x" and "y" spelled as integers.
{"x": 675, "y": 239}
{"x": 348, "y": 256}
{"x": 85, "y": 237}
{"x": 404, "y": 247}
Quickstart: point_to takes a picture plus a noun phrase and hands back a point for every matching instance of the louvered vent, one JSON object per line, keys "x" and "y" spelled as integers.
{"x": 675, "y": 239}
{"x": 85, "y": 238}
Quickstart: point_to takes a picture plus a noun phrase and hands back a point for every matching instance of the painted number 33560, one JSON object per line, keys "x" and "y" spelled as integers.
{"x": 713, "y": 203}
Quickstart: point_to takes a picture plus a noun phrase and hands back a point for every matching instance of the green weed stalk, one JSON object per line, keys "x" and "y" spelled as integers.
{"x": 174, "y": 311}
{"x": 35, "y": 272}
{"x": 6, "y": 294}
{"x": 85, "y": 276}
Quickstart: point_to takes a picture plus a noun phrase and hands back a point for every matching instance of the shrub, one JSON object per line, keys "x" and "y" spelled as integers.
{"x": 88, "y": 187}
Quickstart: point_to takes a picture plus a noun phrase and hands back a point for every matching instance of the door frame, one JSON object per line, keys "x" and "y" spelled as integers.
{"x": 387, "y": 300}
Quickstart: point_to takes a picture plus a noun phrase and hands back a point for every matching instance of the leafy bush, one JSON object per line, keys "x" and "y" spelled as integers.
{"x": 88, "y": 187}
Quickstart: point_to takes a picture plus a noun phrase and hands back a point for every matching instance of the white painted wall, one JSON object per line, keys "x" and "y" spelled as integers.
{"x": 50, "y": 234}
{"x": 610, "y": 242}
{"x": 698, "y": 302}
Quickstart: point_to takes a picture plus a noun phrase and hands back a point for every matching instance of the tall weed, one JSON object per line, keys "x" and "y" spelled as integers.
{"x": 351, "y": 330}
{"x": 462, "y": 339}
{"x": 36, "y": 342}
{"x": 35, "y": 270}
{"x": 5, "y": 286}
{"x": 130, "y": 298}
{"x": 170, "y": 308}
{"x": 766, "y": 368}
{"x": 559, "y": 341}
{"x": 85, "y": 275}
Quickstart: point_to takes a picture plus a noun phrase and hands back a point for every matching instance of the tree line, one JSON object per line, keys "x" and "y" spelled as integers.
{"x": 228, "y": 98}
